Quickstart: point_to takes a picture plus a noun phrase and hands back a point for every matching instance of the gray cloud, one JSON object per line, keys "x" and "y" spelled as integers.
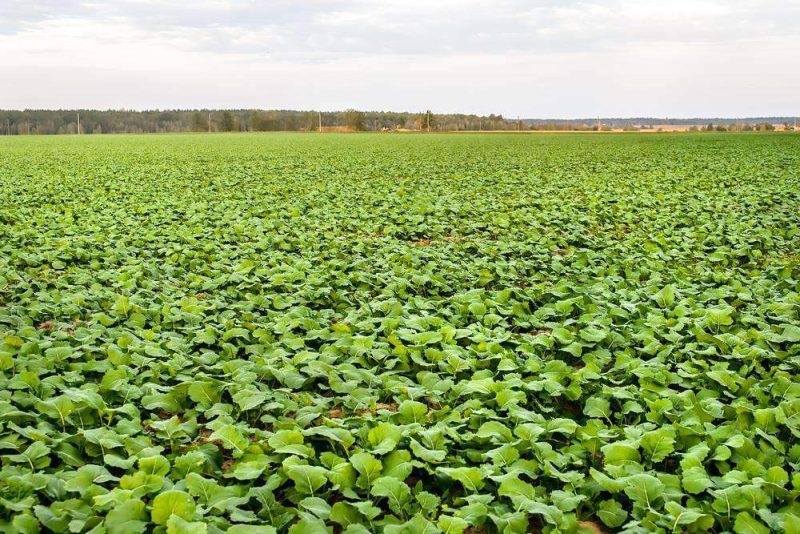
{"x": 318, "y": 30}
{"x": 542, "y": 58}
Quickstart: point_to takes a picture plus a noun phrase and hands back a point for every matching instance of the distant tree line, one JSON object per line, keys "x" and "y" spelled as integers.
{"x": 14, "y": 122}
{"x": 740, "y": 127}
{"x": 25, "y": 122}
{"x": 648, "y": 122}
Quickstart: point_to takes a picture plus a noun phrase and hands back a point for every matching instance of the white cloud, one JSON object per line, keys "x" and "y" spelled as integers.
{"x": 532, "y": 58}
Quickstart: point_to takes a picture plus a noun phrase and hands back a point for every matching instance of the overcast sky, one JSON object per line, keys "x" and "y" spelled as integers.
{"x": 536, "y": 58}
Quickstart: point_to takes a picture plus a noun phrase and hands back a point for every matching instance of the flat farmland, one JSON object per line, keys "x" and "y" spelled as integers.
{"x": 480, "y": 333}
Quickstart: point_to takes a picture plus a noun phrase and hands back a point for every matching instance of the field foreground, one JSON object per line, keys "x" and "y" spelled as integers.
{"x": 365, "y": 333}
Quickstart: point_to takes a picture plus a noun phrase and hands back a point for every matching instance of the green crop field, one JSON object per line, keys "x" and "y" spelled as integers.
{"x": 405, "y": 334}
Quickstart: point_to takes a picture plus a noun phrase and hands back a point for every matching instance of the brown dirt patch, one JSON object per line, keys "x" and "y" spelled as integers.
{"x": 540, "y": 332}
{"x": 592, "y": 526}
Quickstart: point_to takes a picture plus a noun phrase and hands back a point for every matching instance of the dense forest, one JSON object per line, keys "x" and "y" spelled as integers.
{"x": 30, "y": 122}
{"x": 25, "y": 122}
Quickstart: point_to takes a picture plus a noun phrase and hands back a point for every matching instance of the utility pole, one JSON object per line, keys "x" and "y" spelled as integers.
{"x": 428, "y": 117}
{"x": 79, "y": 123}
{"x": 320, "y": 121}
{"x": 209, "y": 122}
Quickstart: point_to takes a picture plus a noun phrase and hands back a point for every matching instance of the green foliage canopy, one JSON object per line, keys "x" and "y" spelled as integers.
{"x": 288, "y": 333}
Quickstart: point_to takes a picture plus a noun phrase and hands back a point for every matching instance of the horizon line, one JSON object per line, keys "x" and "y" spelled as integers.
{"x": 344, "y": 110}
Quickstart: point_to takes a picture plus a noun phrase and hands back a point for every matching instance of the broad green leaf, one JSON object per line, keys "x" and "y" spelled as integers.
{"x": 470, "y": 477}
{"x": 657, "y": 444}
{"x": 316, "y": 506}
{"x": 620, "y": 454}
{"x": 412, "y": 412}
{"x": 687, "y": 516}
{"x": 248, "y": 399}
{"x": 395, "y": 491}
{"x": 230, "y": 438}
{"x": 307, "y": 478}
{"x": 344, "y": 514}
{"x": 397, "y": 464}
{"x": 172, "y": 502}
{"x": 495, "y": 431}
{"x": 177, "y": 525}
{"x": 643, "y": 489}
{"x": 515, "y": 488}
{"x": 747, "y": 524}
{"x": 597, "y": 407}
{"x": 384, "y": 438}
{"x": 611, "y": 513}
{"x": 205, "y": 394}
{"x": 665, "y": 297}
{"x": 451, "y": 525}
{"x": 127, "y": 516}
{"x": 593, "y": 333}
{"x": 289, "y": 442}
{"x": 251, "y": 529}
{"x": 696, "y": 480}
{"x": 368, "y": 467}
